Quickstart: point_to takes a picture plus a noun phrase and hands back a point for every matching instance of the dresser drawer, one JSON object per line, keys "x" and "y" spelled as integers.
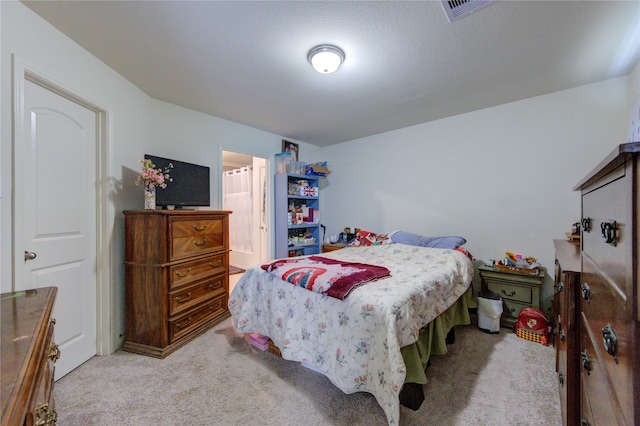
{"x": 596, "y": 393}
{"x": 603, "y": 206}
{"x": 191, "y": 296}
{"x": 511, "y": 291}
{"x": 514, "y": 308}
{"x": 42, "y": 405}
{"x": 193, "y": 226}
{"x": 607, "y": 309}
{"x": 189, "y": 272}
{"x": 199, "y": 316}
{"x": 197, "y": 235}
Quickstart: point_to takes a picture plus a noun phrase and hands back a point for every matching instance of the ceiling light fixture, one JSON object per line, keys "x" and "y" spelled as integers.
{"x": 326, "y": 58}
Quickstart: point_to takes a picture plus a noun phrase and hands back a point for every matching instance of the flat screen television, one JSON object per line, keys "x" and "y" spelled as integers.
{"x": 190, "y": 186}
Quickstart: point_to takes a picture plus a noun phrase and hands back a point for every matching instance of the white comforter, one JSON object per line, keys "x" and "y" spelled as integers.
{"x": 356, "y": 342}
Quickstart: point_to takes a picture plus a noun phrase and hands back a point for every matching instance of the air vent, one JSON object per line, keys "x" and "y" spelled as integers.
{"x": 457, "y": 9}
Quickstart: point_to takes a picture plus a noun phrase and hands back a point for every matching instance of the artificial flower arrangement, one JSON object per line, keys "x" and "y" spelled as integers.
{"x": 152, "y": 176}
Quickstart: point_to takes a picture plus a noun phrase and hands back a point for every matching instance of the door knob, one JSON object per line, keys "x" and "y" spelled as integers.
{"x": 29, "y": 255}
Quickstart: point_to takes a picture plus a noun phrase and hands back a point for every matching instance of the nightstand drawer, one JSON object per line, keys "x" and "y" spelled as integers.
{"x": 514, "y": 308}
{"x": 511, "y": 291}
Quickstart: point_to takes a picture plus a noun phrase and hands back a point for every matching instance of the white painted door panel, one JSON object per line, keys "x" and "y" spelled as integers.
{"x": 59, "y": 216}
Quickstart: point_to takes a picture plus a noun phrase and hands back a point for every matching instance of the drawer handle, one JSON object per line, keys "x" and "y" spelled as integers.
{"x": 216, "y": 265}
{"x": 200, "y": 228}
{"x": 204, "y": 241}
{"x": 586, "y": 292}
{"x": 559, "y": 287}
{"x": 561, "y": 378}
{"x": 186, "y": 323}
{"x": 608, "y": 231}
{"x": 610, "y": 342}
{"x": 508, "y": 295}
{"x": 183, "y": 274}
{"x": 214, "y": 287}
{"x": 44, "y": 416}
{"x": 586, "y": 224}
{"x": 178, "y": 300}
{"x": 586, "y": 362}
{"x": 54, "y": 353}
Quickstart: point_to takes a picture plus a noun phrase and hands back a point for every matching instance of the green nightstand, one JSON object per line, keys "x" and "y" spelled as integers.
{"x": 516, "y": 290}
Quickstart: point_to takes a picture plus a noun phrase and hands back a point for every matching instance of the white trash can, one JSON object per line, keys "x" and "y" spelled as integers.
{"x": 489, "y": 312}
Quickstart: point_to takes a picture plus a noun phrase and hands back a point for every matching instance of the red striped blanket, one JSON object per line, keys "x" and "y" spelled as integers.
{"x": 322, "y": 275}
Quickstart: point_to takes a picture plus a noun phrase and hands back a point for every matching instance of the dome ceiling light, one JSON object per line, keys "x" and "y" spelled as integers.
{"x": 325, "y": 58}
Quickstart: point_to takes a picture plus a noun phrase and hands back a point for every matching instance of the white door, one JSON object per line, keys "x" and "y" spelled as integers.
{"x": 262, "y": 208}
{"x": 58, "y": 215}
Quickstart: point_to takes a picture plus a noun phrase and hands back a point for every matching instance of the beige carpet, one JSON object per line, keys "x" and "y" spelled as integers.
{"x": 220, "y": 380}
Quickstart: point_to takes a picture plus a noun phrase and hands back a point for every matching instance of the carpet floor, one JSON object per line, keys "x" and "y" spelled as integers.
{"x": 218, "y": 379}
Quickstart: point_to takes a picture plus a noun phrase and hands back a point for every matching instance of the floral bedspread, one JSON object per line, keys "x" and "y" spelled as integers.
{"x": 356, "y": 342}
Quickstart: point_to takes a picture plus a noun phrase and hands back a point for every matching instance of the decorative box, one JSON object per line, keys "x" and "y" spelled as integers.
{"x": 259, "y": 341}
{"x": 308, "y": 191}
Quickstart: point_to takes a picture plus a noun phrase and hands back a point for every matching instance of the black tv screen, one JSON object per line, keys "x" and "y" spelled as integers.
{"x": 190, "y": 186}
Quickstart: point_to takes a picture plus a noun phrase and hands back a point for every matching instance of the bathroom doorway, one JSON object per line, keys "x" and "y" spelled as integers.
{"x": 245, "y": 193}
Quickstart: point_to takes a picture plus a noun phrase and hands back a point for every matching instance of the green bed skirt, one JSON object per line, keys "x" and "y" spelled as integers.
{"x": 432, "y": 338}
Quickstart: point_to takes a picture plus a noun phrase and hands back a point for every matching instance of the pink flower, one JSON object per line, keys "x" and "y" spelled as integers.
{"x": 151, "y": 177}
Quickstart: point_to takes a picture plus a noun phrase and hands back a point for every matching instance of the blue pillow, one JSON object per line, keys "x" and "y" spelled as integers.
{"x": 448, "y": 242}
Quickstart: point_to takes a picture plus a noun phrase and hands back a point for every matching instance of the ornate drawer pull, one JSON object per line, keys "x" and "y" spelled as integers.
{"x": 218, "y": 285}
{"x": 216, "y": 265}
{"x": 586, "y": 292}
{"x": 54, "y": 353}
{"x": 178, "y": 300}
{"x": 200, "y": 229}
{"x": 44, "y": 416}
{"x": 586, "y": 362}
{"x": 610, "y": 342}
{"x": 559, "y": 287}
{"x": 204, "y": 241}
{"x": 187, "y": 322}
{"x": 586, "y": 224}
{"x": 513, "y": 293}
{"x": 608, "y": 231}
{"x": 183, "y": 274}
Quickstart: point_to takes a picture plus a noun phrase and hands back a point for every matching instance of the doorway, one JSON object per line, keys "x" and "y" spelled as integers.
{"x": 245, "y": 193}
{"x": 60, "y": 225}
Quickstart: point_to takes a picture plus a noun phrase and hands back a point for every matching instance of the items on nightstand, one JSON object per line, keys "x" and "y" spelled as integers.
{"x": 517, "y": 263}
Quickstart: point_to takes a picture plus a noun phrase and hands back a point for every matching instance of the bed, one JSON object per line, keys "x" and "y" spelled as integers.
{"x": 356, "y": 341}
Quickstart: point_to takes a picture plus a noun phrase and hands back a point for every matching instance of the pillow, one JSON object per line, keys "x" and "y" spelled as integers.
{"x": 447, "y": 242}
{"x": 366, "y": 238}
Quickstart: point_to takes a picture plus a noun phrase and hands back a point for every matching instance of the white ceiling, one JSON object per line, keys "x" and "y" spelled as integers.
{"x": 406, "y": 64}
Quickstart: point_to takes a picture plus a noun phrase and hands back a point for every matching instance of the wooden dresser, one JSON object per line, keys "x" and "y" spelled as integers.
{"x": 28, "y": 357}
{"x": 609, "y": 310}
{"x": 565, "y": 322}
{"x": 177, "y": 277}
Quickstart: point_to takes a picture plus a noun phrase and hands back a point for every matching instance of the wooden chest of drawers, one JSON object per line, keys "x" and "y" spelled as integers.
{"x": 565, "y": 322}
{"x": 28, "y": 357}
{"x": 609, "y": 310}
{"x": 177, "y": 277}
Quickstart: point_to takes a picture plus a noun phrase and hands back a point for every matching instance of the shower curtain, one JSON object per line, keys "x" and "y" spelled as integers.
{"x": 238, "y": 197}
